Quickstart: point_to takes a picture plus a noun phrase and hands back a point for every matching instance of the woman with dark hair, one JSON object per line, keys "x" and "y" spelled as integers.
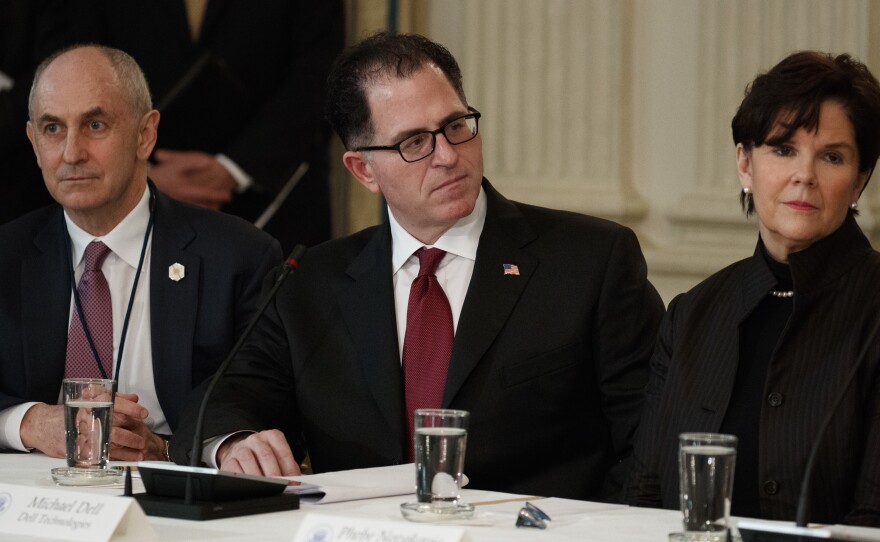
{"x": 764, "y": 348}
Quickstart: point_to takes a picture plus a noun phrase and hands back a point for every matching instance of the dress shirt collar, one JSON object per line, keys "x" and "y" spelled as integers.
{"x": 125, "y": 240}
{"x": 461, "y": 239}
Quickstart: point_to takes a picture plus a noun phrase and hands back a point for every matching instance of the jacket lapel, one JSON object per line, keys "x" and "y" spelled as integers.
{"x": 719, "y": 375}
{"x": 172, "y": 305}
{"x": 45, "y": 283}
{"x": 367, "y": 307}
{"x": 491, "y": 295}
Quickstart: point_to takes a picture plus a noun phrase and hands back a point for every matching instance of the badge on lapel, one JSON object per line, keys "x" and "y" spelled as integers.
{"x": 176, "y": 272}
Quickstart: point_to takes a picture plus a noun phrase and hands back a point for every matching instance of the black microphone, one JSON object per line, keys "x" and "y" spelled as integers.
{"x": 201, "y": 493}
{"x": 756, "y": 531}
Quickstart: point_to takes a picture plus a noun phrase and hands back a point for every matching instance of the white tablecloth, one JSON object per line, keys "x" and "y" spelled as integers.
{"x": 572, "y": 520}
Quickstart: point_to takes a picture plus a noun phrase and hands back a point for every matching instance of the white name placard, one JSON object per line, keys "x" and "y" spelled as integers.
{"x": 329, "y": 528}
{"x": 71, "y": 515}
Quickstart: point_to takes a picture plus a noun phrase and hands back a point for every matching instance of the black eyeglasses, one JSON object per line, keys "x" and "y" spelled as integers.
{"x": 420, "y": 146}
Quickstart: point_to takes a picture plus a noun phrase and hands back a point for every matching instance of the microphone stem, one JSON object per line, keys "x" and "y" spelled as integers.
{"x": 196, "y": 458}
{"x": 801, "y": 518}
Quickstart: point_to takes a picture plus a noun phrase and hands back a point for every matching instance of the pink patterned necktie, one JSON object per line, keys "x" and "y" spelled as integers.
{"x": 427, "y": 345}
{"x": 94, "y": 296}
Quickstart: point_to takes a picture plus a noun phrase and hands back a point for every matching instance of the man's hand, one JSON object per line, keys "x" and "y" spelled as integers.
{"x": 194, "y": 177}
{"x": 265, "y": 453}
{"x": 131, "y": 439}
{"x": 43, "y": 428}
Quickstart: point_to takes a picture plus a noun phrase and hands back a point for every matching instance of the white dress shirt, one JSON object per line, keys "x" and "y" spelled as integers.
{"x": 136, "y": 370}
{"x": 454, "y": 271}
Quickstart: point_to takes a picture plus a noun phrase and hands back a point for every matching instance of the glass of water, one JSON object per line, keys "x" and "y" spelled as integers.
{"x": 706, "y": 463}
{"x": 440, "y": 442}
{"x": 88, "y": 420}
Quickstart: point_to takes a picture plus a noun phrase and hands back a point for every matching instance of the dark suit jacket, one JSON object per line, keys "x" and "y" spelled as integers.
{"x": 268, "y": 117}
{"x": 194, "y": 321}
{"x": 551, "y": 363}
{"x": 836, "y": 304}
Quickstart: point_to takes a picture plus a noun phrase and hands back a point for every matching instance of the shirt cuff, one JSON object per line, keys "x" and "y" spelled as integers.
{"x": 242, "y": 179}
{"x": 212, "y": 446}
{"x": 10, "y": 427}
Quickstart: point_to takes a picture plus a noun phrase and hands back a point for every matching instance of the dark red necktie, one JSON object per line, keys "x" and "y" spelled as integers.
{"x": 427, "y": 345}
{"x": 94, "y": 297}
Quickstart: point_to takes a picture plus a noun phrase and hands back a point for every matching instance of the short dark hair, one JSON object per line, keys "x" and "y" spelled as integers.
{"x": 381, "y": 55}
{"x": 792, "y": 94}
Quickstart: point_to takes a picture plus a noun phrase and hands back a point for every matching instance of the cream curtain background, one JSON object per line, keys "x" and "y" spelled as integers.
{"x": 622, "y": 108}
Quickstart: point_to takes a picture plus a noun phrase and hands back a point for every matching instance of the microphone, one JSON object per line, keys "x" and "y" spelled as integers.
{"x": 754, "y": 530}
{"x": 201, "y": 493}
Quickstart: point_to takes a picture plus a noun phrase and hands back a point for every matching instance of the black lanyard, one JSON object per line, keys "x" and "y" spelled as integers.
{"x": 137, "y": 276}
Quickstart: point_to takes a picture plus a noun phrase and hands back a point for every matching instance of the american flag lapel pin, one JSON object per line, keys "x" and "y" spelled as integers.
{"x": 510, "y": 269}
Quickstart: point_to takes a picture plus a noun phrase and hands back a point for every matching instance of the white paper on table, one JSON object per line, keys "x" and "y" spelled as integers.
{"x": 851, "y": 532}
{"x": 352, "y": 485}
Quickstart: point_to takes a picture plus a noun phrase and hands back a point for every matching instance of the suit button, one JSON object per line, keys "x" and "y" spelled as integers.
{"x": 775, "y": 399}
{"x": 771, "y": 487}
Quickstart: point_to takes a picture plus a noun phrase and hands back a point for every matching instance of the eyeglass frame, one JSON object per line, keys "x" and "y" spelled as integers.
{"x": 433, "y": 133}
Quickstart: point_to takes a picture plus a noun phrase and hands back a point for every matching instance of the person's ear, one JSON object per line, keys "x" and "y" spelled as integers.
{"x": 362, "y": 168}
{"x": 29, "y": 129}
{"x": 744, "y": 166}
{"x": 148, "y": 130}
{"x": 862, "y": 180}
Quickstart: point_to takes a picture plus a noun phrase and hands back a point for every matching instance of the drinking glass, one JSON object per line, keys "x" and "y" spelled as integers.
{"x": 705, "y": 464}
{"x": 88, "y": 419}
{"x": 440, "y": 442}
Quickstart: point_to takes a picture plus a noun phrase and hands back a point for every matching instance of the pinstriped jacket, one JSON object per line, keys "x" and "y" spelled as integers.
{"x": 836, "y": 305}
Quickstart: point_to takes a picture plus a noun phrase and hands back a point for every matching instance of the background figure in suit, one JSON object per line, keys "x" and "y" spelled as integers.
{"x": 238, "y": 130}
{"x": 30, "y": 30}
{"x": 92, "y": 127}
{"x": 553, "y": 316}
{"x": 763, "y": 348}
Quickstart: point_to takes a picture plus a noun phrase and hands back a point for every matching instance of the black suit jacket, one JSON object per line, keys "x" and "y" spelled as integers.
{"x": 836, "y": 282}
{"x": 551, "y": 363}
{"x": 267, "y": 116}
{"x": 194, "y": 322}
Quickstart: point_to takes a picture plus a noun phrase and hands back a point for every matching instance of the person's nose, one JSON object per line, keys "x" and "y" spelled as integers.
{"x": 805, "y": 170}
{"x": 74, "y": 148}
{"x": 445, "y": 153}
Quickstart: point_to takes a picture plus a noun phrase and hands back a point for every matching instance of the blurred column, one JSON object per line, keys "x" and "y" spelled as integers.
{"x": 553, "y": 81}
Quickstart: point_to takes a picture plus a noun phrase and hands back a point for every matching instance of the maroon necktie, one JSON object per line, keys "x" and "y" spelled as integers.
{"x": 427, "y": 346}
{"x": 94, "y": 297}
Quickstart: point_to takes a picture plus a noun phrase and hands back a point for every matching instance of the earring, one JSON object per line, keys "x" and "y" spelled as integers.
{"x": 854, "y": 205}
{"x": 747, "y": 201}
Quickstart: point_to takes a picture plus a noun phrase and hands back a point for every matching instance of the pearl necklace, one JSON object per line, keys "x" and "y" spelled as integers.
{"x": 782, "y": 294}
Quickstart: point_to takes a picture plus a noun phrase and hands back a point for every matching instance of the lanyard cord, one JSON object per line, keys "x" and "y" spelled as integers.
{"x": 137, "y": 276}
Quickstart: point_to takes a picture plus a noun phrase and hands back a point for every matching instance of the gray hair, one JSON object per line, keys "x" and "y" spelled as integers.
{"x": 129, "y": 75}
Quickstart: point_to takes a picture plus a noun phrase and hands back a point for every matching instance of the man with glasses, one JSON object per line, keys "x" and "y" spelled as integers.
{"x": 539, "y": 323}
